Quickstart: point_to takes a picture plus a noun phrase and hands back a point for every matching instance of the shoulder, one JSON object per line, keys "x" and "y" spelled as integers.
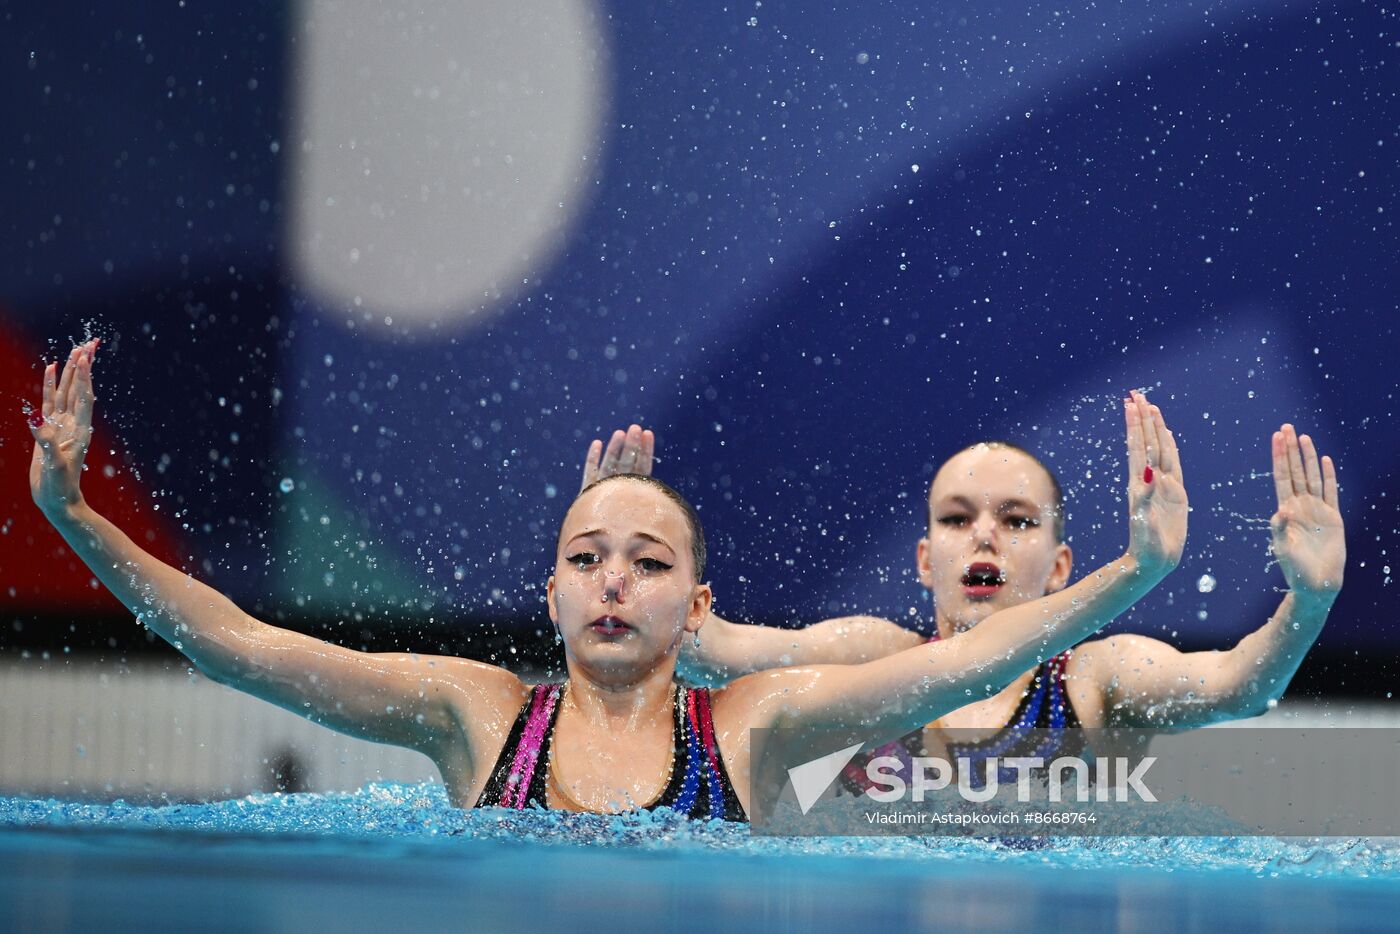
{"x": 491, "y": 684}
{"x": 483, "y": 699}
{"x": 755, "y": 699}
{"x": 1125, "y": 646}
{"x": 1105, "y": 659}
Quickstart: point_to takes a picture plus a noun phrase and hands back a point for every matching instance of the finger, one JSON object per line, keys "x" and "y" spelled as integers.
{"x": 50, "y": 388}
{"x": 70, "y": 405}
{"x": 1137, "y": 451}
{"x": 1311, "y": 471}
{"x": 1165, "y": 450}
{"x": 1171, "y": 451}
{"x": 83, "y": 389}
{"x": 608, "y": 467}
{"x": 1295, "y": 460}
{"x": 1283, "y": 482}
{"x": 590, "y": 463}
{"x": 632, "y": 450}
{"x": 1329, "y": 483}
{"x": 63, "y": 401}
{"x": 648, "y": 458}
{"x": 1149, "y": 431}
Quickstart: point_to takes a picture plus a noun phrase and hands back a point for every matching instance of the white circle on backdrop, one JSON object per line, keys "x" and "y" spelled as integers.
{"x": 439, "y": 150}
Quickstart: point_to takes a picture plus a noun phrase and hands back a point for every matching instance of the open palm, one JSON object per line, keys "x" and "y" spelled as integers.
{"x": 630, "y": 451}
{"x": 1157, "y": 505}
{"x": 1308, "y": 538}
{"x": 62, "y": 431}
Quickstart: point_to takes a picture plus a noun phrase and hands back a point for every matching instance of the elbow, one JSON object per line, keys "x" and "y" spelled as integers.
{"x": 1259, "y": 695}
{"x": 1256, "y": 707}
{"x": 223, "y": 671}
{"x": 213, "y": 672}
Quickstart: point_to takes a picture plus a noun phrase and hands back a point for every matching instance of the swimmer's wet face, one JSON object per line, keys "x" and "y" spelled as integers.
{"x": 993, "y": 539}
{"x": 625, "y": 590}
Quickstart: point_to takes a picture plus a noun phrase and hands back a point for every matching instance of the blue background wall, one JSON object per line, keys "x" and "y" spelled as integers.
{"x": 1195, "y": 199}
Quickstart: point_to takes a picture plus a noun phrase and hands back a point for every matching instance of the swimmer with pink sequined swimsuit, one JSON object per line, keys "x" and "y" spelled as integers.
{"x": 699, "y": 788}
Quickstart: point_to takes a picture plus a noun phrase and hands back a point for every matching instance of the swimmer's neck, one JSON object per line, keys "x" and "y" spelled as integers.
{"x": 620, "y": 704}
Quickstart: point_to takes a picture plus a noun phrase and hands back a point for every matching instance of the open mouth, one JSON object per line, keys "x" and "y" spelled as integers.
{"x": 609, "y": 626}
{"x": 982, "y": 580}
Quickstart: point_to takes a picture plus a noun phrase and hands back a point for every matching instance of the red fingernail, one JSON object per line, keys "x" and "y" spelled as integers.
{"x": 1147, "y": 474}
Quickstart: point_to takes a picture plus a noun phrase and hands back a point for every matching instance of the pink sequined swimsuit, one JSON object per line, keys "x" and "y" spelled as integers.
{"x": 699, "y": 785}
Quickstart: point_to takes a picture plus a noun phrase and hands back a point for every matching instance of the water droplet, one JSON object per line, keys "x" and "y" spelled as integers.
{"x": 287, "y": 485}
{"x": 1206, "y": 583}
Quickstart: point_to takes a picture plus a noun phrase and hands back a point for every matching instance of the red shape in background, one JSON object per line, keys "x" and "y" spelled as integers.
{"x": 38, "y": 571}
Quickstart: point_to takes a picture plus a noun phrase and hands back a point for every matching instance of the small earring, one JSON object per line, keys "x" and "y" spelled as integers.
{"x": 558, "y": 636}
{"x": 697, "y": 640}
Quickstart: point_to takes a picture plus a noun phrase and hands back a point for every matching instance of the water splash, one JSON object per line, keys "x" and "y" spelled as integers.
{"x": 420, "y": 813}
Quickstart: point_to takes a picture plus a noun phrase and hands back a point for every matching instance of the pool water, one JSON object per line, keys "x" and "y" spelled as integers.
{"x": 397, "y": 857}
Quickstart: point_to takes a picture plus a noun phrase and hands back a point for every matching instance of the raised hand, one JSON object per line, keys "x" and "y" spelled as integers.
{"x": 1157, "y": 505}
{"x": 62, "y": 430}
{"x": 629, "y": 451}
{"x": 1308, "y": 538}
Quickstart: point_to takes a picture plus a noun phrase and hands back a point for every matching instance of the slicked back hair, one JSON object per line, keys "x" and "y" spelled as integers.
{"x": 1057, "y": 507}
{"x": 692, "y": 518}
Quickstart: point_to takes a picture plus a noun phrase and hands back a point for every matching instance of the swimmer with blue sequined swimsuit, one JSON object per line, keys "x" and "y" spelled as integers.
{"x": 996, "y": 539}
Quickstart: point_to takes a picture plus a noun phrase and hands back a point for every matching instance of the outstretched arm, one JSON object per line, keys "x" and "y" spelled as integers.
{"x": 900, "y": 693}
{"x": 727, "y": 650}
{"x": 408, "y": 700}
{"x": 1148, "y": 683}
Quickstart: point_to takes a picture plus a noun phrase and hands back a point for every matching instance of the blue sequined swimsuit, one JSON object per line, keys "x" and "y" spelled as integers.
{"x": 1044, "y": 726}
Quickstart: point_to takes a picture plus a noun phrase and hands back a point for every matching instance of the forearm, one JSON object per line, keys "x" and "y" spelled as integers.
{"x": 902, "y": 692}
{"x": 1260, "y": 667}
{"x": 1148, "y": 683}
{"x": 191, "y": 616}
{"x": 1016, "y": 639}
{"x": 714, "y": 662}
{"x": 730, "y": 650}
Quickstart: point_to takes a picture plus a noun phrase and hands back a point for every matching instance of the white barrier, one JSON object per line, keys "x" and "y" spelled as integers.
{"x": 140, "y": 731}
